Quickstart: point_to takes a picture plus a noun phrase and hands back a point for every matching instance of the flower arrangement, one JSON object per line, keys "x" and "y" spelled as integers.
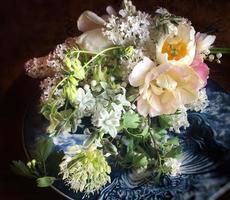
{"x": 133, "y": 77}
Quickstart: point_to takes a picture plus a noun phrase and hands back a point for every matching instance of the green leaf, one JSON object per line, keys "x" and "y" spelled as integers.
{"x": 45, "y": 181}
{"x": 18, "y": 167}
{"x": 130, "y": 146}
{"x": 109, "y": 147}
{"x": 173, "y": 140}
{"x": 91, "y": 139}
{"x": 140, "y": 161}
{"x": 131, "y": 120}
{"x": 43, "y": 148}
{"x": 174, "y": 153}
{"x": 164, "y": 121}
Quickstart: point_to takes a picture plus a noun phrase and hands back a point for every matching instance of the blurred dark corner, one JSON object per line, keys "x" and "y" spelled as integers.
{"x": 30, "y": 28}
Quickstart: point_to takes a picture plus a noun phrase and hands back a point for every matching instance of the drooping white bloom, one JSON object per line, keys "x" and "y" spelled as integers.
{"x": 174, "y": 166}
{"x": 88, "y": 171}
{"x": 85, "y": 101}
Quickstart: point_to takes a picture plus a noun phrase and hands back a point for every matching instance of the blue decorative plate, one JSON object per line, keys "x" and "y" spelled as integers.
{"x": 205, "y": 166}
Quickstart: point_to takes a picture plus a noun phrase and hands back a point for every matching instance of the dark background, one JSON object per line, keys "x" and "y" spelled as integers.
{"x": 30, "y": 28}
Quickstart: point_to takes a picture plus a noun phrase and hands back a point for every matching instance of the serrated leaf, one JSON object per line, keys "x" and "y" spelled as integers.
{"x": 131, "y": 120}
{"x": 45, "y": 181}
{"x": 43, "y": 148}
{"x": 18, "y": 167}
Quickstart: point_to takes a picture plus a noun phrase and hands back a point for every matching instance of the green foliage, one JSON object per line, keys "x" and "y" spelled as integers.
{"x": 36, "y": 168}
{"x": 130, "y": 120}
{"x": 43, "y": 149}
{"x": 109, "y": 147}
{"x": 19, "y": 168}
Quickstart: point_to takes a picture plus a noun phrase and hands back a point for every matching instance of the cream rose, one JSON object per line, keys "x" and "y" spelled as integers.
{"x": 178, "y": 47}
{"x": 165, "y": 88}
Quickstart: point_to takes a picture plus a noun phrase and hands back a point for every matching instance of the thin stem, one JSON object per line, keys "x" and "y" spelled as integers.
{"x": 220, "y": 50}
{"x": 64, "y": 79}
{"x": 99, "y": 54}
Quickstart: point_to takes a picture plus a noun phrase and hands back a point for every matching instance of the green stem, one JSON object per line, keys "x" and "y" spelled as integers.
{"x": 85, "y": 52}
{"x": 64, "y": 79}
{"x": 220, "y": 50}
{"x": 99, "y": 54}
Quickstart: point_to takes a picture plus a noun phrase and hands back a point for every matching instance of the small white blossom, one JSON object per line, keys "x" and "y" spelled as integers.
{"x": 129, "y": 29}
{"x": 85, "y": 101}
{"x": 93, "y": 83}
{"x": 107, "y": 121}
{"x": 179, "y": 120}
{"x": 122, "y": 98}
{"x": 174, "y": 166}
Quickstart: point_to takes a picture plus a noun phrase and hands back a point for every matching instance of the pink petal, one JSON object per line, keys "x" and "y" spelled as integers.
{"x": 201, "y": 69}
{"x": 89, "y": 21}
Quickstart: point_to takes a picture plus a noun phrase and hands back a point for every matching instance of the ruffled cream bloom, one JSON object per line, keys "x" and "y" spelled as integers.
{"x": 165, "y": 88}
{"x": 178, "y": 47}
{"x": 92, "y": 38}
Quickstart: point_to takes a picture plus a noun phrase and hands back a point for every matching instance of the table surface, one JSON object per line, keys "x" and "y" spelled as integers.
{"x": 32, "y": 28}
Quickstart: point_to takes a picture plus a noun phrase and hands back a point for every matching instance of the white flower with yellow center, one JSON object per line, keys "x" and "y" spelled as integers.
{"x": 178, "y": 47}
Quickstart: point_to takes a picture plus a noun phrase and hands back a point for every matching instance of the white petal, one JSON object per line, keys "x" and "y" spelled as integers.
{"x": 137, "y": 76}
{"x": 93, "y": 40}
{"x": 110, "y": 10}
{"x": 205, "y": 42}
{"x": 89, "y": 21}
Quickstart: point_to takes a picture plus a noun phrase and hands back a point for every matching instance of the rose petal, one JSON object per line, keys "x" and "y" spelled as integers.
{"x": 201, "y": 69}
{"x": 143, "y": 107}
{"x": 93, "y": 40}
{"x": 137, "y": 76}
{"x": 89, "y": 21}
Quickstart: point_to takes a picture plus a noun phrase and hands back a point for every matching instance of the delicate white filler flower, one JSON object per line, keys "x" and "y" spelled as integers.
{"x": 179, "y": 120}
{"x": 174, "y": 166}
{"x": 201, "y": 102}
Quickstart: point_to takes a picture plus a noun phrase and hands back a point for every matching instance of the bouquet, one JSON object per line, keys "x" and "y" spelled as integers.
{"x": 126, "y": 84}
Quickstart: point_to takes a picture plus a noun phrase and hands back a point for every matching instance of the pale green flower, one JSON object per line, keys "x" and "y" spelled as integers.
{"x": 87, "y": 171}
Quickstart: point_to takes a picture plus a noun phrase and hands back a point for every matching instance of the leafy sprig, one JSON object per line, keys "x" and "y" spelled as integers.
{"x": 36, "y": 168}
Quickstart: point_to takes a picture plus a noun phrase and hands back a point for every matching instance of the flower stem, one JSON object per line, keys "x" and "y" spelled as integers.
{"x": 99, "y": 54}
{"x": 220, "y": 50}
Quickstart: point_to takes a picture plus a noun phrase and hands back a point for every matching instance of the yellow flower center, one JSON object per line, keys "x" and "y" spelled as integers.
{"x": 175, "y": 48}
